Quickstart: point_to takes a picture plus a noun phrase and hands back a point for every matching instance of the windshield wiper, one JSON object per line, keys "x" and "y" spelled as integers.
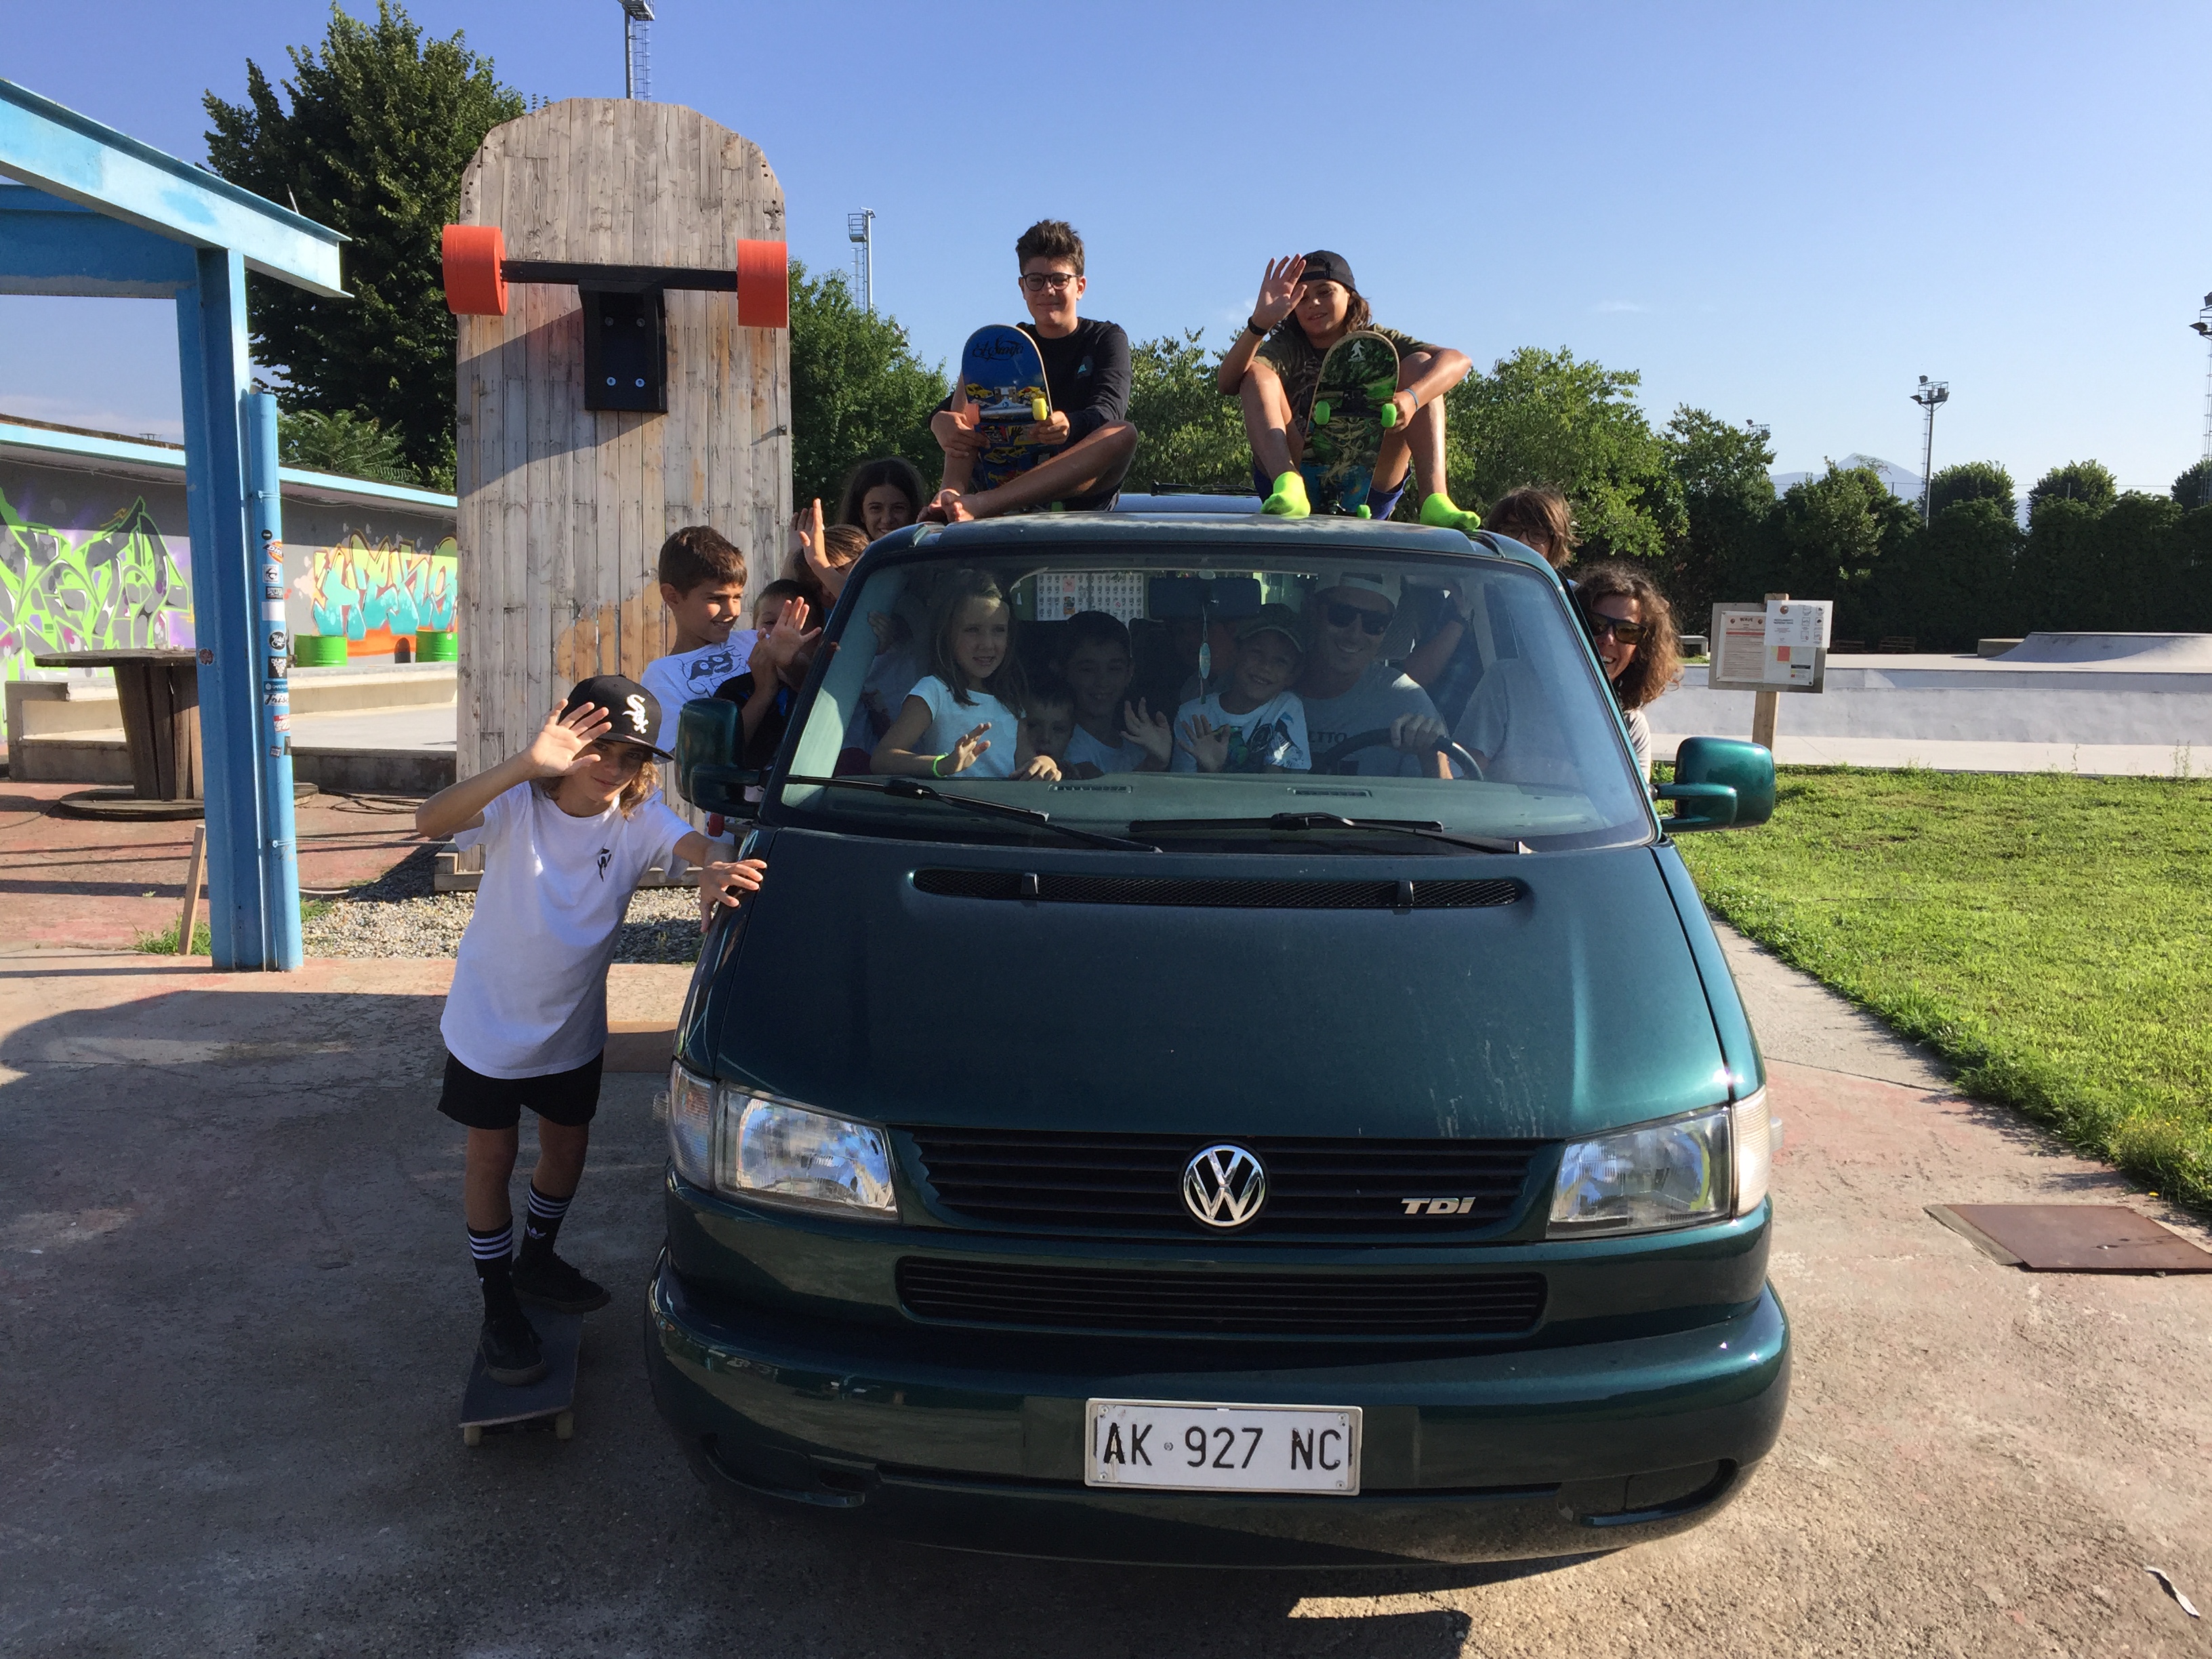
{"x": 1428, "y": 829}
{"x": 915, "y": 789}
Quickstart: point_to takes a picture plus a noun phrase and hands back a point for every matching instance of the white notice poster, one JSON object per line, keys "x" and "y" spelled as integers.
{"x": 1795, "y": 633}
{"x": 1738, "y": 646}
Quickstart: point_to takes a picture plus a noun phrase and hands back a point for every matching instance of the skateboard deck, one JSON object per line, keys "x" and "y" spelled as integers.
{"x": 1345, "y": 427}
{"x": 548, "y": 1402}
{"x": 1004, "y": 377}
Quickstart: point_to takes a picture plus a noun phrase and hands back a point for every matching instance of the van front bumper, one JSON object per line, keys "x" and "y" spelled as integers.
{"x": 978, "y": 1444}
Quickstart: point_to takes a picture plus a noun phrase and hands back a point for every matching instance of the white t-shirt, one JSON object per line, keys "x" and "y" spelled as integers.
{"x": 1274, "y": 734}
{"x": 1639, "y": 735}
{"x": 1123, "y": 756}
{"x": 529, "y": 987}
{"x": 1511, "y": 723}
{"x": 950, "y": 722}
{"x": 684, "y": 675}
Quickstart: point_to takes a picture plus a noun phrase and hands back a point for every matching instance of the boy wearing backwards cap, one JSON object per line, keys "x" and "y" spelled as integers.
{"x": 569, "y": 826}
{"x": 1306, "y": 305}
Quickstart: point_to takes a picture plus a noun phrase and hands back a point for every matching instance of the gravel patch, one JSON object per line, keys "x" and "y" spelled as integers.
{"x": 401, "y": 914}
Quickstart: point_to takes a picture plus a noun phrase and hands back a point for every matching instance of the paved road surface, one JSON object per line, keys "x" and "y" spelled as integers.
{"x": 234, "y": 1316}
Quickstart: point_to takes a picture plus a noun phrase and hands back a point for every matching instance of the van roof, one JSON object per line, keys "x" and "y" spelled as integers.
{"x": 1258, "y": 538}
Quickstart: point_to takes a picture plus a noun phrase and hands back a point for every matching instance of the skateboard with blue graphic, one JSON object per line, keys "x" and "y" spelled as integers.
{"x": 1352, "y": 408}
{"x": 1003, "y": 376}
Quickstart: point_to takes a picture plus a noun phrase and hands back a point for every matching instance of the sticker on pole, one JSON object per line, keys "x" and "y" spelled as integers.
{"x": 1797, "y": 643}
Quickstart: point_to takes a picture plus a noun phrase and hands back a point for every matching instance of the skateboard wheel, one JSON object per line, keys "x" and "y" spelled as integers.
{"x": 1040, "y": 410}
{"x": 1321, "y": 414}
{"x": 472, "y": 1435}
{"x": 764, "y": 285}
{"x": 475, "y": 258}
{"x": 564, "y": 1426}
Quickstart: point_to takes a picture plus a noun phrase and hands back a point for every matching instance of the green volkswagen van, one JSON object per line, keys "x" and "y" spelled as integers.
{"x": 1341, "y": 1145}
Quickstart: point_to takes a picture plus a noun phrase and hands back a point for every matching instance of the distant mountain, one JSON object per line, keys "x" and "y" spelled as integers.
{"x": 1904, "y": 484}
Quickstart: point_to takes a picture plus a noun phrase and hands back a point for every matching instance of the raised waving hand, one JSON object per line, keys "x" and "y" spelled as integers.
{"x": 1278, "y": 291}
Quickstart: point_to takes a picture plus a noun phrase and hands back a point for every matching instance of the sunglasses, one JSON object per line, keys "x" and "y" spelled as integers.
{"x": 1628, "y": 632}
{"x": 1038, "y": 282}
{"x": 1340, "y": 615}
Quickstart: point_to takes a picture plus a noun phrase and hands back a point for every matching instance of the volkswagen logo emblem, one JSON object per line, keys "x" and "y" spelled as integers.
{"x": 1225, "y": 1186}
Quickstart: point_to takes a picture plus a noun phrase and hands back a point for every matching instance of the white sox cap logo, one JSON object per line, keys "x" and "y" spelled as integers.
{"x": 1225, "y": 1186}
{"x": 635, "y": 705}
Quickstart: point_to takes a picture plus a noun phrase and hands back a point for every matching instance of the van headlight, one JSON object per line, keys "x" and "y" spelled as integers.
{"x": 1707, "y": 1166}
{"x": 745, "y": 1145}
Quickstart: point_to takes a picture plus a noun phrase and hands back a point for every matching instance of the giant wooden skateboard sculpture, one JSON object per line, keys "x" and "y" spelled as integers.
{"x": 1352, "y": 408}
{"x": 1003, "y": 378}
{"x": 550, "y": 1402}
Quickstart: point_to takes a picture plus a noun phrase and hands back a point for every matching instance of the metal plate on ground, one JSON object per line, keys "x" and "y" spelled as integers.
{"x": 2074, "y": 1239}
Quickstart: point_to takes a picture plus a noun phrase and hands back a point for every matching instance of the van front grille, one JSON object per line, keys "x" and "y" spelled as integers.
{"x": 1215, "y": 893}
{"x": 1167, "y": 1302}
{"x": 1037, "y": 1178}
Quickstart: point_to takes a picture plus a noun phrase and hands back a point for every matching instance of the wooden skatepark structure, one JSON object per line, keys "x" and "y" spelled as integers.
{"x": 563, "y": 507}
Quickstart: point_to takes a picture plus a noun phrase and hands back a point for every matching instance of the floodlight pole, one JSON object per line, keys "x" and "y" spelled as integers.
{"x": 861, "y": 229}
{"x": 2203, "y": 326}
{"x": 1931, "y": 395}
{"x": 637, "y": 49}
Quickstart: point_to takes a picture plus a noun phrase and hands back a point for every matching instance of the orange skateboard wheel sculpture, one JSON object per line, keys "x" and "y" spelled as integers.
{"x": 476, "y": 278}
{"x": 763, "y": 285}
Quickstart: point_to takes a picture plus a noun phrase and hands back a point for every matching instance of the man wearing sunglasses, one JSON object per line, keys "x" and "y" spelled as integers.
{"x": 1086, "y": 373}
{"x": 1346, "y": 691}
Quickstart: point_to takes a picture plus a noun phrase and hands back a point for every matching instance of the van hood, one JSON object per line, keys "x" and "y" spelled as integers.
{"x": 1577, "y": 1008}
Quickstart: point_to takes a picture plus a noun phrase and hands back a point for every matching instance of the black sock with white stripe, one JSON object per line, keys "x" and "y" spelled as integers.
{"x": 543, "y": 1223}
{"x": 494, "y": 1268}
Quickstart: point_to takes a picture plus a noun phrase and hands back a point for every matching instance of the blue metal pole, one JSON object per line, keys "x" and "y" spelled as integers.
{"x": 264, "y": 526}
{"x": 215, "y": 373}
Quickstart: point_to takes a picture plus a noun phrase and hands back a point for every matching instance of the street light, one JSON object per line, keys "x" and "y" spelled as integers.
{"x": 2203, "y": 326}
{"x": 637, "y": 49}
{"x": 1931, "y": 394}
{"x": 860, "y": 228}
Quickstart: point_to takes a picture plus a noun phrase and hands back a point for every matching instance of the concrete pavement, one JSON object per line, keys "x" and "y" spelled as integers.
{"x": 235, "y": 1314}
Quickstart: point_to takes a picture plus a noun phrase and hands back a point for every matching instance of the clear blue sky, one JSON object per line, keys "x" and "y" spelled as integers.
{"x": 1781, "y": 212}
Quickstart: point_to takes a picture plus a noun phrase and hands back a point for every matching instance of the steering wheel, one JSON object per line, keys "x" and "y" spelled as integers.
{"x": 1380, "y": 738}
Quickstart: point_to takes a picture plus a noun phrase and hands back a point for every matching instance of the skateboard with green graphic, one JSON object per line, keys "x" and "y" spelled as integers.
{"x": 1352, "y": 408}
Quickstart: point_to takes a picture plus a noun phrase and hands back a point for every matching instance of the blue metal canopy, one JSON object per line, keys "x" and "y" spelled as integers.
{"x": 99, "y": 214}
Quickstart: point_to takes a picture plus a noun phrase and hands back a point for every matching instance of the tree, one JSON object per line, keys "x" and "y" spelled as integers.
{"x": 1952, "y": 582}
{"x": 1720, "y": 471}
{"x": 2087, "y": 482}
{"x": 1830, "y": 536}
{"x": 2193, "y": 489}
{"x": 380, "y": 128}
{"x": 2057, "y": 563}
{"x": 1971, "y": 481}
{"x": 351, "y": 446}
{"x": 1544, "y": 417}
{"x": 857, "y": 391}
{"x": 1187, "y": 434}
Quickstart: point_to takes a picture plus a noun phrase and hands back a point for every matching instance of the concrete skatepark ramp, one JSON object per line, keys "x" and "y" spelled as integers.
{"x": 2148, "y": 651}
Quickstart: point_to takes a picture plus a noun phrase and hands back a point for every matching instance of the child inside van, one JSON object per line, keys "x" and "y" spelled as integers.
{"x": 1256, "y": 723}
{"x": 974, "y": 687}
{"x": 820, "y": 555}
{"x": 1098, "y": 666}
{"x": 1048, "y": 720}
{"x": 568, "y": 827}
{"x": 703, "y": 583}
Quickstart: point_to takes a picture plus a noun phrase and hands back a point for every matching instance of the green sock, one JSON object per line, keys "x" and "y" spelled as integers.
{"x": 1438, "y": 511}
{"x": 1289, "y": 501}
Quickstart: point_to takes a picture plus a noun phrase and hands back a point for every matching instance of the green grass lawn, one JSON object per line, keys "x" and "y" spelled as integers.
{"x": 2048, "y": 934}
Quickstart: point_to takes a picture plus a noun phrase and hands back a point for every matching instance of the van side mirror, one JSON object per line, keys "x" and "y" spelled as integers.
{"x": 708, "y": 734}
{"x": 1720, "y": 783}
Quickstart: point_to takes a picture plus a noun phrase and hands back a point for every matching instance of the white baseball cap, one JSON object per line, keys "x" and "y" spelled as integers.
{"x": 1367, "y": 580}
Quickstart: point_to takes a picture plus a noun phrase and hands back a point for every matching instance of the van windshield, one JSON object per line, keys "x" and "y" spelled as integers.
{"x": 1156, "y": 695}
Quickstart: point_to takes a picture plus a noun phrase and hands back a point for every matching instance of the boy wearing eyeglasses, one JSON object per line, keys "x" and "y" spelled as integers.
{"x": 1347, "y": 691}
{"x": 1087, "y": 372}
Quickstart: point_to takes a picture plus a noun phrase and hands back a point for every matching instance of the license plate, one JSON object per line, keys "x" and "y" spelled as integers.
{"x": 1186, "y": 1445}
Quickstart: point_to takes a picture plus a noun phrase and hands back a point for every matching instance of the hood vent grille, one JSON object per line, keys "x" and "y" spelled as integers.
{"x": 1215, "y": 893}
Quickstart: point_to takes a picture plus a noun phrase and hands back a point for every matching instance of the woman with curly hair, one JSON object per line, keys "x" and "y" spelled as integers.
{"x": 1632, "y": 627}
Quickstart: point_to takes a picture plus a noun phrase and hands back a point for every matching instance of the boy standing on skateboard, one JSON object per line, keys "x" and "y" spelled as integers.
{"x": 1306, "y": 305}
{"x": 1086, "y": 370}
{"x": 568, "y": 827}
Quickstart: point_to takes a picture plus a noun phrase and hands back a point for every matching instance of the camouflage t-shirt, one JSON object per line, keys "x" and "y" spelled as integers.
{"x": 1297, "y": 360}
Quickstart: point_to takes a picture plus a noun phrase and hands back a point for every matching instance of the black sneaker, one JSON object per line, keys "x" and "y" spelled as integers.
{"x": 511, "y": 1353}
{"x": 553, "y": 1283}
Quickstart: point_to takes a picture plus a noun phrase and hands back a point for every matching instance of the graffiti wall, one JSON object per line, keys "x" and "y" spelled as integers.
{"x": 373, "y": 594}
{"x": 115, "y": 581}
{"x": 92, "y": 557}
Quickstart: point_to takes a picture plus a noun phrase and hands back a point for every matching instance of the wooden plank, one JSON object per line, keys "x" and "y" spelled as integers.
{"x": 195, "y": 876}
{"x": 134, "y": 699}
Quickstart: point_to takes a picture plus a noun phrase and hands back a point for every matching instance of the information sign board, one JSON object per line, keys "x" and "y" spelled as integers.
{"x": 1779, "y": 645}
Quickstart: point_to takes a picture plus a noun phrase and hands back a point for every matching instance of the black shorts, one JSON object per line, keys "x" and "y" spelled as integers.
{"x": 570, "y": 1098}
